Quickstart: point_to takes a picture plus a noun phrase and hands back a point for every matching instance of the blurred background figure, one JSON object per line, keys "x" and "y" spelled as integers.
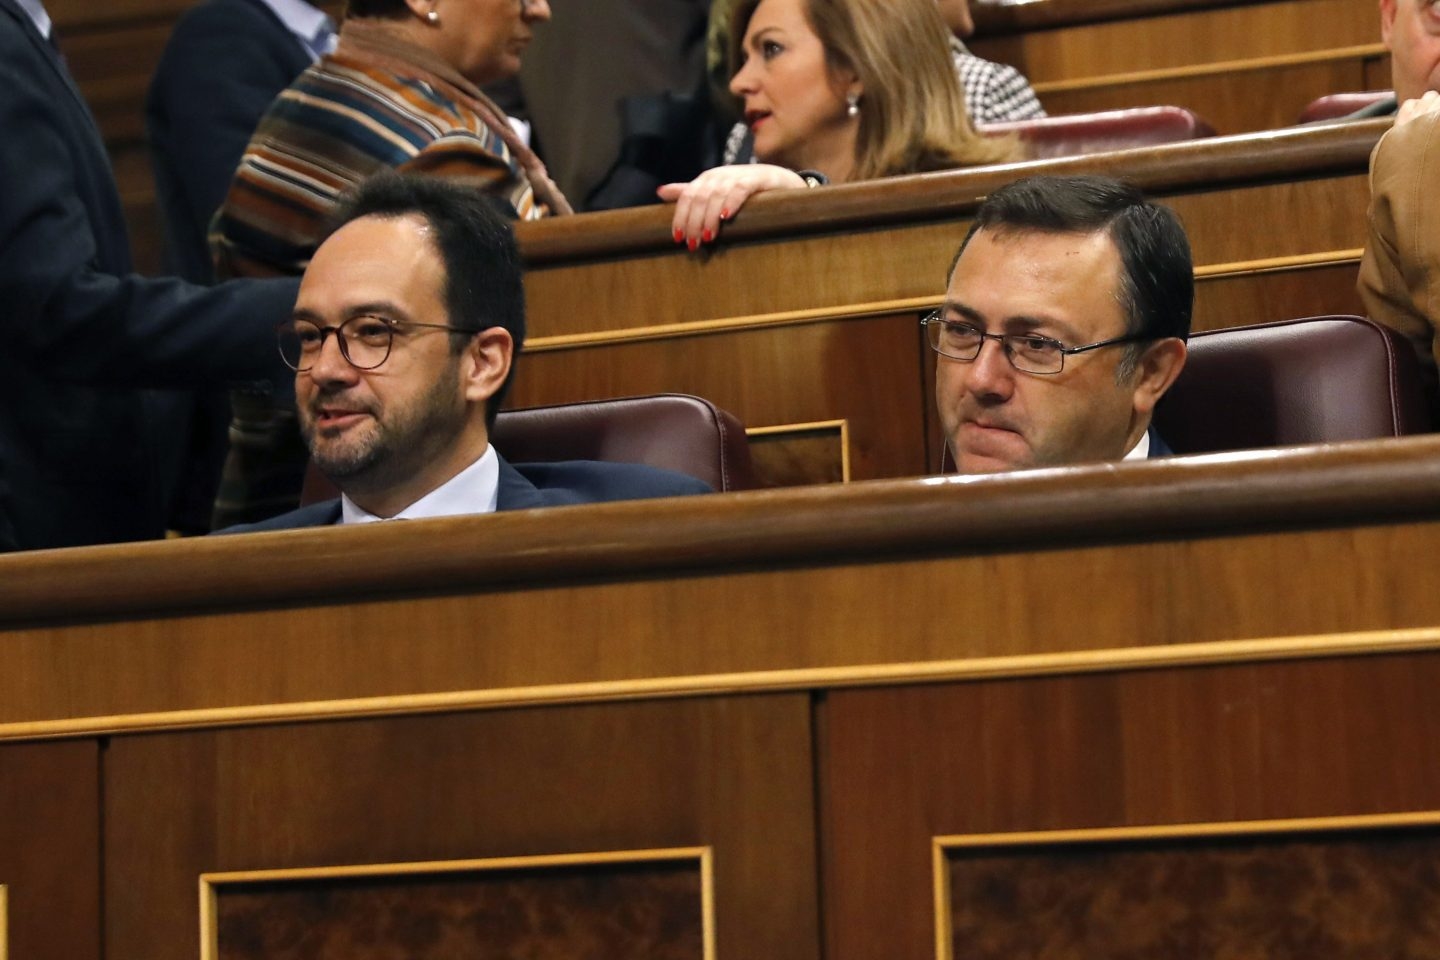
{"x": 225, "y": 61}
{"x": 849, "y": 89}
{"x": 401, "y": 91}
{"x": 994, "y": 92}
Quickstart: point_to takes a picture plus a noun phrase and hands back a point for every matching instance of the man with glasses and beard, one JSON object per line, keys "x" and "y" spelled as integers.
{"x": 403, "y": 340}
{"x": 1064, "y": 324}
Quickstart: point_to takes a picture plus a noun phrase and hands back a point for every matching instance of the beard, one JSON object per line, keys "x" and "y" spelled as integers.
{"x": 394, "y": 443}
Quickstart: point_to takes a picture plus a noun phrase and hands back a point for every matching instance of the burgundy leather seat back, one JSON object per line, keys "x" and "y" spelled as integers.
{"x": 1298, "y": 381}
{"x": 1080, "y": 133}
{"x": 1338, "y": 105}
{"x": 672, "y": 431}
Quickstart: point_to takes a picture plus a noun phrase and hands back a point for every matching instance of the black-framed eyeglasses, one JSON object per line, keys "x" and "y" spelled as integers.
{"x": 1026, "y": 352}
{"x": 365, "y": 341}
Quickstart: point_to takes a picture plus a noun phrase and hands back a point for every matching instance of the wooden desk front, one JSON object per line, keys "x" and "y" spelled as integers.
{"x": 820, "y": 702}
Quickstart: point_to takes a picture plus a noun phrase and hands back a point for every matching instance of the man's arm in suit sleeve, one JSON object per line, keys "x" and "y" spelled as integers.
{"x": 59, "y": 308}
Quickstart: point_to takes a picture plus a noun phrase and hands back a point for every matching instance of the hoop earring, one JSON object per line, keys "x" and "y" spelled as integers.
{"x": 432, "y": 17}
{"x": 852, "y": 104}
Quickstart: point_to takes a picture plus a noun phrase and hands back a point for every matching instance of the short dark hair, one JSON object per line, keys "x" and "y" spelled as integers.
{"x": 1157, "y": 285}
{"x": 483, "y": 286}
{"x": 388, "y": 9}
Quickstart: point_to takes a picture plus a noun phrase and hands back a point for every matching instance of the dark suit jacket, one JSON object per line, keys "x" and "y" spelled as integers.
{"x": 80, "y": 448}
{"x": 226, "y": 60}
{"x": 526, "y": 486}
{"x": 1158, "y": 446}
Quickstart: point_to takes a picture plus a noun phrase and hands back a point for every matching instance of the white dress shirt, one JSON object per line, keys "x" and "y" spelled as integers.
{"x": 311, "y": 25}
{"x": 472, "y": 490}
{"x": 36, "y": 11}
{"x": 1141, "y": 450}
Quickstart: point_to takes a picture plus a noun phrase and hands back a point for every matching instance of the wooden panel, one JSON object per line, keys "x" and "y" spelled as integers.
{"x": 731, "y": 774}
{"x": 1349, "y": 896}
{"x": 607, "y": 908}
{"x": 1244, "y": 299}
{"x": 1215, "y": 35}
{"x": 768, "y": 378}
{"x": 49, "y": 850}
{"x": 1258, "y": 97}
{"x": 647, "y": 597}
{"x": 1254, "y": 742}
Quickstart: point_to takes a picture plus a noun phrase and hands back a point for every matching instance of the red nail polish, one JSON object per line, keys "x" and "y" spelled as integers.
{"x": 692, "y": 244}
{"x": 707, "y": 236}
{"x": 725, "y": 214}
{"x": 678, "y": 235}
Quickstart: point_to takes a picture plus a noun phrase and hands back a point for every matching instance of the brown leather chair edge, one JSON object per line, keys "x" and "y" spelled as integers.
{"x": 672, "y": 431}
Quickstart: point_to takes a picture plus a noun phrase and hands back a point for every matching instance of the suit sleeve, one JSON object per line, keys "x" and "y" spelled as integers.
{"x": 1400, "y": 272}
{"x": 63, "y": 308}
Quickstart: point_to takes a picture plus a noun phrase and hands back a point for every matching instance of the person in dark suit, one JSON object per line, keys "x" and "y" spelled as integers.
{"x": 402, "y": 341}
{"x": 1085, "y": 289}
{"x": 81, "y": 444}
{"x": 225, "y": 61}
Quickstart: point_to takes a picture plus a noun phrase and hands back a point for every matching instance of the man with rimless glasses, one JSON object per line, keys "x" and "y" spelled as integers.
{"x": 1064, "y": 323}
{"x": 402, "y": 340}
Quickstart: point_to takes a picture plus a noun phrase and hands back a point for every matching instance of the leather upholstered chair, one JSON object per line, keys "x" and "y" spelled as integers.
{"x": 1080, "y": 133}
{"x": 673, "y": 431}
{"x": 1314, "y": 380}
{"x": 1338, "y": 105}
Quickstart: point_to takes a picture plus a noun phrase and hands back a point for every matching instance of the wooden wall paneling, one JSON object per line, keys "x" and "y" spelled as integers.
{"x": 1175, "y": 746}
{"x": 1246, "y": 32}
{"x": 633, "y": 598}
{"x": 1234, "y": 99}
{"x": 733, "y": 774}
{"x": 863, "y": 371}
{"x": 50, "y": 850}
{"x": 1241, "y": 299}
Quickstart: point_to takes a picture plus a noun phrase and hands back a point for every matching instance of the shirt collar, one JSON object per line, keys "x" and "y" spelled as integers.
{"x": 302, "y": 19}
{"x": 472, "y": 490}
{"x": 35, "y": 10}
{"x": 1141, "y": 450}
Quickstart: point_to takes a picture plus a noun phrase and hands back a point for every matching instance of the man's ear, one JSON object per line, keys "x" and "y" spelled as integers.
{"x": 1159, "y": 365}
{"x": 486, "y": 363}
{"x": 1387, "y": 20}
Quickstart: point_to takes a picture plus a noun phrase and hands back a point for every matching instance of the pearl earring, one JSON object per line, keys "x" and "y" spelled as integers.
{"x": 852, "y": 104}
{"x": 432, "y": 17}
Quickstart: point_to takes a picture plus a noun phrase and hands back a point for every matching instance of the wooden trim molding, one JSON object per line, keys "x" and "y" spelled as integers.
{"x": 1110, "y": 660}
{"x": 1251, "y": 65}
{"x": 209, "y": 934}
{"x": 881, "y": 308}
{"x": 1244, "y": 492}
{"x": 841, "y": 427}
{"x": 941, "y": 845}
{"x": 4, "y": 922}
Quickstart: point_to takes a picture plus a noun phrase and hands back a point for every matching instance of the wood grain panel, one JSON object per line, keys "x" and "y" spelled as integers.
{"x": 995, "y": 17}
{"x": 49, "y": 850}
{"x": 768, "y": 378}
{"x": 845, "y": 575}
{"x": 1258, "y": 97}
{"x": 1253, "y": 742}
{"x": 732, "y": 774}
{"x": 1244, "y": 299}
{"x": 1222, "y": 34}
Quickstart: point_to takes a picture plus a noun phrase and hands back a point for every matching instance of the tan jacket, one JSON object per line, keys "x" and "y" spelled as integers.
{"x": 1400, "y": 273}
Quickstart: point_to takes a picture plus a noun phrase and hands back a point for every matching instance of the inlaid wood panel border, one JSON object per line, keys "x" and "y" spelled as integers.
{"x": 941, "y": 845}
{"x": 842, "y": 427}
{"x": 880, "y": 308}
{"x": 209, "y": 933}
{"x": 4, "y": 922}
{"x": 1359, "y": 52}
{"x": 1363, "y": 643}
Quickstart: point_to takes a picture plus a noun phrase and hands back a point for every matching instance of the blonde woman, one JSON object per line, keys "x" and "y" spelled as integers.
{"x": 846, "y": 89}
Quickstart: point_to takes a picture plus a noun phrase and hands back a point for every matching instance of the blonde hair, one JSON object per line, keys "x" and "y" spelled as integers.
{"x": 912, "y": 112}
